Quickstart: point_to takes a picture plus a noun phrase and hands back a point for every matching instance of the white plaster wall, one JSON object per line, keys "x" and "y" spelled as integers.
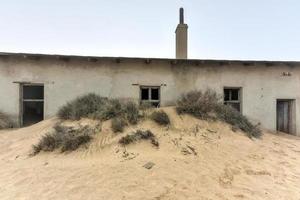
{"x": 63, "y": 81}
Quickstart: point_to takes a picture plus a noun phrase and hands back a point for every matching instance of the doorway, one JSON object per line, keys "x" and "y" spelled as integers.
{"x": 32, "y": 104}
{"x": 286, "y": 116}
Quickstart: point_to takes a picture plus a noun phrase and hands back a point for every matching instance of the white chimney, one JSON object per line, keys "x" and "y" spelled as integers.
{"x": 181, "y": 37}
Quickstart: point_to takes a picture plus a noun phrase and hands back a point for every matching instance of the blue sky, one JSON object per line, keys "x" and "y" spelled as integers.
{"x": 218, "y": 29}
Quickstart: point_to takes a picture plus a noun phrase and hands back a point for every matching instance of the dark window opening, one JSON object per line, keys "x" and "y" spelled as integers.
{"x": 145, "y": 93}
{"x": 226, "y": 95}
{"x": 150, "y": 95}
{"x": 33, "y": 92}
{"x": 232, "y": 98}
{"x": 32, "y": 109}
{"x": 154, "y": 93}
{"x": 234, "y": 95}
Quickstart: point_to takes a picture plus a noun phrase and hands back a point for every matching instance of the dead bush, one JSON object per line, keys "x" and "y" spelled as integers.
{"x": 237, "y": 120}
{"x": 207, "y": 105}
{"x": 73, "y": 143}
{"x": 145, "y": 106}
{"x": 118, "y": 124}
{"x": 197, "y": 103}
{"x": 48, "y": 142}
{"x": 110, "y": 109}
{"x": 64, "y": 138}
{"x": 138, "y": 136}
{"x": 97, "y": 107}
{"x": 160, "y": 117}
{"x": 5, "y": 122}
{"x": 84, "y": 106}
{"x": 131, "y": 112}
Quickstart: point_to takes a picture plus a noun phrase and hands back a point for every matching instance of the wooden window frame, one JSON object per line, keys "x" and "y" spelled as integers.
{"x": 149, "y": 94}
{"x": 239, "y": 101}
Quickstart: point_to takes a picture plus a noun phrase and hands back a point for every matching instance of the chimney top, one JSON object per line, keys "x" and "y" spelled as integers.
{"x": 181, "y": 16}
{"x": 181, "y": 37}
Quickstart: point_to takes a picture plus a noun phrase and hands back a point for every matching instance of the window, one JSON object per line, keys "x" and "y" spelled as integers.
{"x": 150, "y": 95}
{"x": 232, "y": 97}
{"x": 33, "y": 92}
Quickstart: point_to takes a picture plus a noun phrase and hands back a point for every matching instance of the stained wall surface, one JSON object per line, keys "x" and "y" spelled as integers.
{"x": 65, "y": 80}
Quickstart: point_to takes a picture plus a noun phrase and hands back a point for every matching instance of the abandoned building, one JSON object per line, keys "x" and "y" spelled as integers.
{"x": 34, "y": 86}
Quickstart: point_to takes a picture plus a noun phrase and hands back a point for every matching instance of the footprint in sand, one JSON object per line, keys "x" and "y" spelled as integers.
{"x": 285, "y": 164}
{"x": 280, "y": 152}
{"x": 226, "y": 179}
{"x": 262, "y": 172}
{"x": 239, "y": 196}
{"x": 256, "y": 157}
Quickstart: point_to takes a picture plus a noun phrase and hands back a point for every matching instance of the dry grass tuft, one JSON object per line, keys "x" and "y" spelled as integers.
{"x": 160, "y": 117}
{"x": 138, "y": 136}
{"x": 64, "y": 138}
{"x": 118, "y": 124}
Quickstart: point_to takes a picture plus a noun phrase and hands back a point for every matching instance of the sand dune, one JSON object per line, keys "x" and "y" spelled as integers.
{"x": 195, "y": 160}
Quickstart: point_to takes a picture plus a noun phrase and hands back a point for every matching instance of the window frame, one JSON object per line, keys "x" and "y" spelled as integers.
{"x": 33, "y": 99}
{"x": 23, "y": 100}
{"x": 239, "y": 101}
{"x": 150, "y": 100}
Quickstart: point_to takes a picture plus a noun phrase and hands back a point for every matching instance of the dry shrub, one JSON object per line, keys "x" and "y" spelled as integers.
{"x": 131, "y": 112}
{"x": 48, "y": 142}
{"x": 145, "y": 106}
{"x": 160, "y": 117}
{"x": 73, "y": 143}
{"x": 5, "y": 122}
{"x": 110, "y": 109}
{"x": 237, "y": 120}
{"x": 207, "y": 105}
{"x": 64, "y": 138}
{"x": 138, "y": 136}
{"x": 197, "y": 103}
{"x": 83, "y": 106}
{"x": 118, "y": 124}
{"x": 97, "y": 107}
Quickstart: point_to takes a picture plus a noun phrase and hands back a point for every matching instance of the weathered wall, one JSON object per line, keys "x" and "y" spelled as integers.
{"x": 65, "y": 80}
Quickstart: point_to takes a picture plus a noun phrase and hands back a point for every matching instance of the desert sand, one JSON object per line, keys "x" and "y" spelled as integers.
{"x": 195, "y": 160}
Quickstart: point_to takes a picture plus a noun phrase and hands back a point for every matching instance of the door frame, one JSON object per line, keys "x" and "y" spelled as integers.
{"x": 292, "y": 115}
{"x": 21, "y": 100}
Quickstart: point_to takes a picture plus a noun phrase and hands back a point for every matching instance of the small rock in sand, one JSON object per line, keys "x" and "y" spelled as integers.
{"x": 149, "y": 165}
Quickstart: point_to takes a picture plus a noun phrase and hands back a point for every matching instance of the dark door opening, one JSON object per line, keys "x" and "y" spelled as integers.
{"x": 285, "y": 116}
{"x": 32, "y": 104}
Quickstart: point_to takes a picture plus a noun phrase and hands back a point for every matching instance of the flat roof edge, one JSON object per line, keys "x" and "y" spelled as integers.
{"x": 145, "y": 58}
